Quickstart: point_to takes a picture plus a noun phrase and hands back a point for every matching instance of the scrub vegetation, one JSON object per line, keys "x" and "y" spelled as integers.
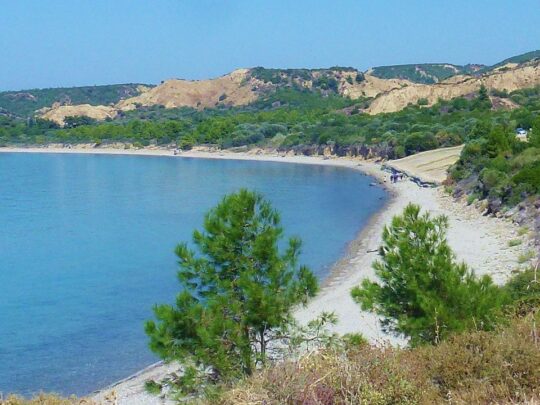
{"x": 470, "y": 341}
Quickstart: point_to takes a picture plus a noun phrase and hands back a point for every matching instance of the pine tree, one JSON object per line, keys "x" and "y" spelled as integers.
{"x": 422, "y": 293}
{"x": 236, "y": 292}
{"x": 482, "y": 102}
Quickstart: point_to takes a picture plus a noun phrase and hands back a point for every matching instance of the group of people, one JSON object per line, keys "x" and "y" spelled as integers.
{"x": 395, "y": 177}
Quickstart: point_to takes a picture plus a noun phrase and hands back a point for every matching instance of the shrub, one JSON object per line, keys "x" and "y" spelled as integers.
{"x": 186, "y": 143}
{"x": 237, "y": 293}
{"x": 419, "y": 142}
{"x": 482, "y": 367}
{"x": 152, "y": 387}
{"x": 470, "y": 368}
{"x": 360, "y": 77}
{"x": 46, "y": 399}
{"x": 525, "y": 257}
{"x": 530, "y": 175}
{"x": 491, "y": 178}
{"x": 524, "y": 284}
{"x": 423, "y": 293}
{"x": 364, "y": 375}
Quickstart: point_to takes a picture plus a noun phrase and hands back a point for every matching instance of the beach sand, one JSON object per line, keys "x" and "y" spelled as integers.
{"x": 482, "y": 242}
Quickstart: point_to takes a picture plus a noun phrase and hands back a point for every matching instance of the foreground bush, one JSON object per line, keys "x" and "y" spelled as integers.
{"x": 45, "y": 399}
{"x": 238, "y": 289}
{"x": 423, "y": 293}
{"x": 474, "y": 367}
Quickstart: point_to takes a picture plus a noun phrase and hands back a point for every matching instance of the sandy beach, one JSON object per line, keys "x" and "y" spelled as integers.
{"x": 482, "y": 242}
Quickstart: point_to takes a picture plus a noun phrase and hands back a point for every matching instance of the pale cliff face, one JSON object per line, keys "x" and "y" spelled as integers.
{"x": 240, "y": 88}
{"x": 232, "y": 89}
{"x": 508, "y": 79}
{"x": 59, "y": 113}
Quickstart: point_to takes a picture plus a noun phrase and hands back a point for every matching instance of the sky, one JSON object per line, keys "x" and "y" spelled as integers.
{"x": 57, "y": 43}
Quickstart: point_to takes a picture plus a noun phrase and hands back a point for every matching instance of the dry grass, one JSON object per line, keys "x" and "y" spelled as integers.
{"x": 525, "y": 257}
{"x": 45, "y": 399}
{"x": 500, "y": 367}
{"x": 523, "y": 230}
{"x": 478, "y": 367}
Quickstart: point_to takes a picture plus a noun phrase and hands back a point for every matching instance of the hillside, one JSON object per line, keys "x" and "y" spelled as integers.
{"x": 379, "y": 90}
{"x": 238, "y": 88}
{"x": 518, "y": 59}
{"x": 513, "y": 78}
{"x": 430, "y": 73}
{"x": 425, "y": 73}
{"x": 24, "y": 103}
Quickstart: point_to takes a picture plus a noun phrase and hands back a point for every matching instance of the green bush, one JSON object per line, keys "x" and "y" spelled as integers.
{"x": 237, "y": 294}
{"x": 422, "y": 292}
{"x": 529, "y": 175}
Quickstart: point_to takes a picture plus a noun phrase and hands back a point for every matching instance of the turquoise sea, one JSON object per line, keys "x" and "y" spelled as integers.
{"x": 86, "y": 249}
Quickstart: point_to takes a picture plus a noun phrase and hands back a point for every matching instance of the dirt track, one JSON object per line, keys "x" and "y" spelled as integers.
{"x": 430, "y": 166}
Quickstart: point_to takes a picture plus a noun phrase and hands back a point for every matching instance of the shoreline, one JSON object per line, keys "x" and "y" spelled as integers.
{"x": 482, "y": 242}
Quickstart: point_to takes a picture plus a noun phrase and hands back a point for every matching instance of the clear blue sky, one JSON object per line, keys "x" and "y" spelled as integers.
{"x": 51, "y": 43}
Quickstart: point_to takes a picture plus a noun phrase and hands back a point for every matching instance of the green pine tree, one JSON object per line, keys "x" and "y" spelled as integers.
{"x": 422, "y": 293}
{"x": 237, "y": 292}
{"x": 482, "y": 102}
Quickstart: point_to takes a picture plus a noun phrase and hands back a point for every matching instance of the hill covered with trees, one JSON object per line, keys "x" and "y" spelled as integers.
{"x": 25, "y": 103}
{"x": 378, "y": 90}
{"x": 426, "y": 73}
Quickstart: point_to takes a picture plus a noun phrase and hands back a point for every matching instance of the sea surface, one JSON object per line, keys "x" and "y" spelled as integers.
{"x": 86, "y": 250}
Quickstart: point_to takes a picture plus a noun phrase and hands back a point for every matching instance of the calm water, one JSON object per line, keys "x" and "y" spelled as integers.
{"x": 86, "y": 249}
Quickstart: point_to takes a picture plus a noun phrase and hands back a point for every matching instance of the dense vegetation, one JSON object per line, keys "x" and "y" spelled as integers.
{"x": 498, "y": 168}
{"x": 321, "y": 79}
{"x": 427, "y": 73}
{"x": 287, "y": 119}
{"x": 24, "y": 103}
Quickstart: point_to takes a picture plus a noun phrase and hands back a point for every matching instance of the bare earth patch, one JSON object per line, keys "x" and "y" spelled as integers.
{"x": 430, "y": 166}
